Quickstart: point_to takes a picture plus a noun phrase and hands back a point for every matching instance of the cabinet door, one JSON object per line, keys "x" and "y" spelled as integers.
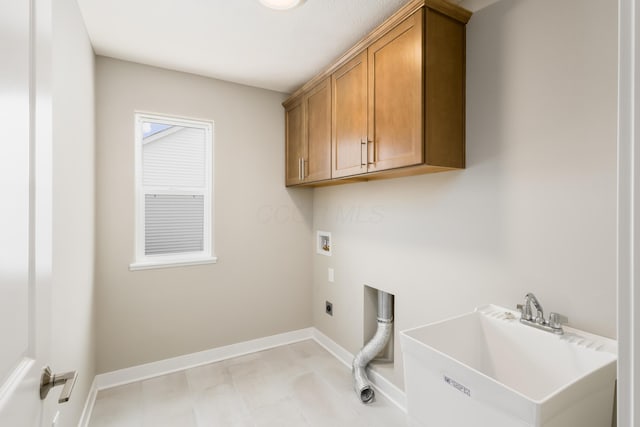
{"x": 396, "y": 97}
{"x": 294, "y": 143}
{"x": 317, "y": 165}
{"x": 349, "y": 118}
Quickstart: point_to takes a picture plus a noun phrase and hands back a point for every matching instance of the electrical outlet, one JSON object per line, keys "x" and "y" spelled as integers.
{"x": 328, "y": 308}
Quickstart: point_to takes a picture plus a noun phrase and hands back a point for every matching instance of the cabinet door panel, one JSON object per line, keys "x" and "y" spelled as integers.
{"x": 349, "y": 116}
{"x": 318, "y": 103}
{"x": 396, "y": 97}
{"x": 294, "y": 143}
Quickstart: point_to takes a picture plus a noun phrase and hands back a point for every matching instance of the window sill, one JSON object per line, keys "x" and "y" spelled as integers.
{"x": 149, "y": 265}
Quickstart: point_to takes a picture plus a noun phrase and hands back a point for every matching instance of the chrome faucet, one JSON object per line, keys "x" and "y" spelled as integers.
{"x": 554, "y": 324}
{"x": 531, "y": 299}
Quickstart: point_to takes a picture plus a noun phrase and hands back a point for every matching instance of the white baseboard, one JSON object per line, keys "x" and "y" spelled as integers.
{"x": 380, "y": 383}
{"x": 174, "y": 364}
{"x": 388, "y": 389}
{"x": 333, "y": 347}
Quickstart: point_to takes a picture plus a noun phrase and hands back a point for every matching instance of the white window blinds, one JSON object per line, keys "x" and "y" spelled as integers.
{"x": 174, "y": 188}
{"x": 175, "y": 157}
{"x": 173, "y": 223}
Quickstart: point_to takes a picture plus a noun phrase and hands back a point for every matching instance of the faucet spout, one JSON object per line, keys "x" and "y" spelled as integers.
{"x": 531, "y": 299}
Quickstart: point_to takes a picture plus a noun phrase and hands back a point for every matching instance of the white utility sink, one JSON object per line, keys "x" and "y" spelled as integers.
{"x": 485, "y": 368}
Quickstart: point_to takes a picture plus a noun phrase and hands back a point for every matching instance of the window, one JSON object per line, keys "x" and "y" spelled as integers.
{"x": 173, "y": 173}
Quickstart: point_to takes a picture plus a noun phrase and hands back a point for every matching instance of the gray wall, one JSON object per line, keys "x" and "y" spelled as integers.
{"x": 535, "y": 210}
{"x": 261, "y": 284}
{"x": 72, "y": 316}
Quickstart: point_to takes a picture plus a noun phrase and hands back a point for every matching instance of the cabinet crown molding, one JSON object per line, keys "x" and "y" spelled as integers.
{"x": 443, "y": 6}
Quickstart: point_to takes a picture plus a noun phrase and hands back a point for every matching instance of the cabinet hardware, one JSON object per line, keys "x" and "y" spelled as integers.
{"x": 363, "y": 146}
{"x": 300, "y": 168}
{"x": 373, "y": 152}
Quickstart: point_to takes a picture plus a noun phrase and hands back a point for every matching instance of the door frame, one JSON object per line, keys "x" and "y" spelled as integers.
{"x": 628, "y": 413}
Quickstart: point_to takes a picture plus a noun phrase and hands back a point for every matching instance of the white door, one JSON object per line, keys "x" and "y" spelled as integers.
{"x": 25, "y": 209}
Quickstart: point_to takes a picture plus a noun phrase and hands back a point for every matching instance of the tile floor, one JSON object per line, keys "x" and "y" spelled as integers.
{"x": 295, "y": 385}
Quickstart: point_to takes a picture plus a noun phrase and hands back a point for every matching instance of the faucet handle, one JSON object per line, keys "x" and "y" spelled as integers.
{"x": 524, "y": 313}
{"x": 557, "y": 320}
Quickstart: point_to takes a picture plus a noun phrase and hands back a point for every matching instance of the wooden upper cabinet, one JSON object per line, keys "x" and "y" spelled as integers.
{"x": 294, "y": 143}
{"x": 444, "y": 115}
{"x": 349, "y": 118}
{"x": 308, "y": 137}
{"x": 378, "y": 104}
{"x": 395, "y": 131}
{"x": 318, "y": 126}
{"x": 396, "y": 102}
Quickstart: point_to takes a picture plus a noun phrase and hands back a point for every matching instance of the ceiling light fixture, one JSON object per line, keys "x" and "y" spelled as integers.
{"x": 281, "y": 4}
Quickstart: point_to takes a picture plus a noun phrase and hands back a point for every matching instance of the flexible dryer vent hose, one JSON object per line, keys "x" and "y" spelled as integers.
{"x": 361, "y": 383}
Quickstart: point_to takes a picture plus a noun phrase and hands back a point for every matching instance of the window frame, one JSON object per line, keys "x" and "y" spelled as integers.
{"x": 206, "y": 256}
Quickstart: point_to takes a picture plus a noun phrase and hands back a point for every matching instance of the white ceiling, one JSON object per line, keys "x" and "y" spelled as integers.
{"x": 235, "y": 40}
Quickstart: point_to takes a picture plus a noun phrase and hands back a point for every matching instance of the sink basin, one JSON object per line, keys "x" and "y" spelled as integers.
{"x": 485, "y": 368}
